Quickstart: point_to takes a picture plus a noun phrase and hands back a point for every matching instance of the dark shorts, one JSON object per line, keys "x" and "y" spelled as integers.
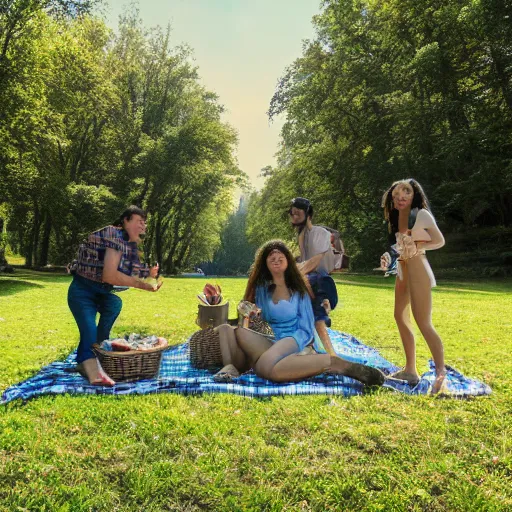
{"x": 323, "y": 287}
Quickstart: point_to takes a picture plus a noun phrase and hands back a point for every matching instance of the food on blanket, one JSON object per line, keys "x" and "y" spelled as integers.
{"x": 120, "y": 345}
{"x": 134, "y": 342}
{"x": 161, "y": 343}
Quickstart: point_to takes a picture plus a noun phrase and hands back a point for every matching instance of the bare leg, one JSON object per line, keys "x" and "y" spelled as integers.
{"x": 421, "y": 303}
{"x": 253, "y": 344}
{"x": 321, "y": 329}
{"x": 231, "y": 352}
{"x": 403, "y": 322}
{"x": 281, "y": 363}
{"x": 365, "y": 374}
{"x": 91, "y": 369}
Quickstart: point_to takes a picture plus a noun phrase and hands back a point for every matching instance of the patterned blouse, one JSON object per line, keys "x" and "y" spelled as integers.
{"x": 91, "y": 255}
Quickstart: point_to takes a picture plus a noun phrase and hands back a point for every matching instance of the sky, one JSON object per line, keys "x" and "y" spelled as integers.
{"x": 242, "y": 48}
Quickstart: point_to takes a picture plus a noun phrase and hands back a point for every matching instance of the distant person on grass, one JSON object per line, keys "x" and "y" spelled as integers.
{"x": 109, "y": 258}
{"x": 414, "y": 230}
{"x": 280, "y": 291}
{"x": 316, "y": 262}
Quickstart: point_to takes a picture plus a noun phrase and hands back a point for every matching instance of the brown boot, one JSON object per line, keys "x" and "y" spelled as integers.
{"x": 368, "y": 375}
{"x": 411, "y": 378}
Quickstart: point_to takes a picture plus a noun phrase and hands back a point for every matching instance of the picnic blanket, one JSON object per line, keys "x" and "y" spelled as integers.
{"x": 177, "y": 376}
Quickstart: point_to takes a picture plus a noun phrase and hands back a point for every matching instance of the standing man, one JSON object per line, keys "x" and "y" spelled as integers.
{"x": 316, "y": 262}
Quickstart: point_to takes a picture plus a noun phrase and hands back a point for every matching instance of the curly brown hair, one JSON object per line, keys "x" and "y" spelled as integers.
{"x": 260, "y": 274}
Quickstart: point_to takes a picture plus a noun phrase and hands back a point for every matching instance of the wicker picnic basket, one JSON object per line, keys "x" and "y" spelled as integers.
{"x": 204, "y": 346}
{"x": 131, "y": 365}
{"x": 257, "y": 325}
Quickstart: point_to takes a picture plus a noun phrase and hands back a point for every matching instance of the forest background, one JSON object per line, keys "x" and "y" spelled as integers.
{"x": 92, "y": 120}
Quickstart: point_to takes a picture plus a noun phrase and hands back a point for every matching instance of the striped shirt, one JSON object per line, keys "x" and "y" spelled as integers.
{"x": 91, "y": 255}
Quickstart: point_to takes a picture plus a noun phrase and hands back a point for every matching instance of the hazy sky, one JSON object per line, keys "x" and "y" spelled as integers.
{"x": 241, "y": 47}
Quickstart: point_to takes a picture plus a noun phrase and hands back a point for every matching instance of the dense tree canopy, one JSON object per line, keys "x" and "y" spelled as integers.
{"x": 92, "y": 121}
{"x": 388, "y": 90}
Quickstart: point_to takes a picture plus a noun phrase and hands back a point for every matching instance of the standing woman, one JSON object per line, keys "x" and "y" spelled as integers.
{"x": 280, "y": 290}
{"x": 109, "y": 258}
{"x": 414, "y": 230}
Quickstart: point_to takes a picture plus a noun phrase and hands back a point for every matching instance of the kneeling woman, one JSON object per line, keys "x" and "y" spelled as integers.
{"x": 280, "y": 291}
{"x": 109, "y": 258}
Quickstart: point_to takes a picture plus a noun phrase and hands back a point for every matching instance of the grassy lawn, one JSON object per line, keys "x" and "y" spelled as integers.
{"x": 380, "y": 451}
{"x": 15, "y": 259}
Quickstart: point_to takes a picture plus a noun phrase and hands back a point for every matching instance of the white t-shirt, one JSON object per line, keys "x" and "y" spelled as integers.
{"x": 425, "y": 230}
{"x": 317, "y": 240}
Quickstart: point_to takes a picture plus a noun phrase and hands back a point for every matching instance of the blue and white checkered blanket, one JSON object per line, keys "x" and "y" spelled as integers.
{"x": 177, "y": 376}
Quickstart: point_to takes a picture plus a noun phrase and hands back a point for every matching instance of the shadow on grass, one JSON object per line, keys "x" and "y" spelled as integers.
{"x": 13, "y": 286}
{"x": 484, "y": 286}
{"x": 44, "y": 278}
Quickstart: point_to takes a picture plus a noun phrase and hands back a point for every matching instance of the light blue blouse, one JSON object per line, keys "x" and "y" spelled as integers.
{"x": 290, "y": 318}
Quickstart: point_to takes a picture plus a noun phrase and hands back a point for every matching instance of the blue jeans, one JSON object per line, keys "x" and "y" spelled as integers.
{"x": 86, "y": 298}
{"x": 323, "y": 287}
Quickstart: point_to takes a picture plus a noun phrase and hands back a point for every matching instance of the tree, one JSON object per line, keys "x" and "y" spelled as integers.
{"x": 235, "y": 254}
{"x": 94, "y": 121}
{"x": 395, "y": 89}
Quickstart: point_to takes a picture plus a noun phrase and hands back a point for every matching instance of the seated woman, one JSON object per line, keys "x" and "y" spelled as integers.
{"x": 280, "y": 291}
{"x": 109, "y": 258}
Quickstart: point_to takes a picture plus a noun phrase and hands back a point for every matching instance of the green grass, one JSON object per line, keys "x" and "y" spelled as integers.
{"x": 380, "y": 451}
{"x": 15, "y": 259}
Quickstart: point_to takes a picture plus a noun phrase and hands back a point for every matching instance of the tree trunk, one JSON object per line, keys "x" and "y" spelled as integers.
{"x": 45, "y": 242}
{"x": 501, "y": 74}
{"x": 75, "y": 163}
{"x": 31, "y": 248}
{"x": 158, "y": 238}
{"x": 178, "y": 221}
{"x": 184, "y": 250}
